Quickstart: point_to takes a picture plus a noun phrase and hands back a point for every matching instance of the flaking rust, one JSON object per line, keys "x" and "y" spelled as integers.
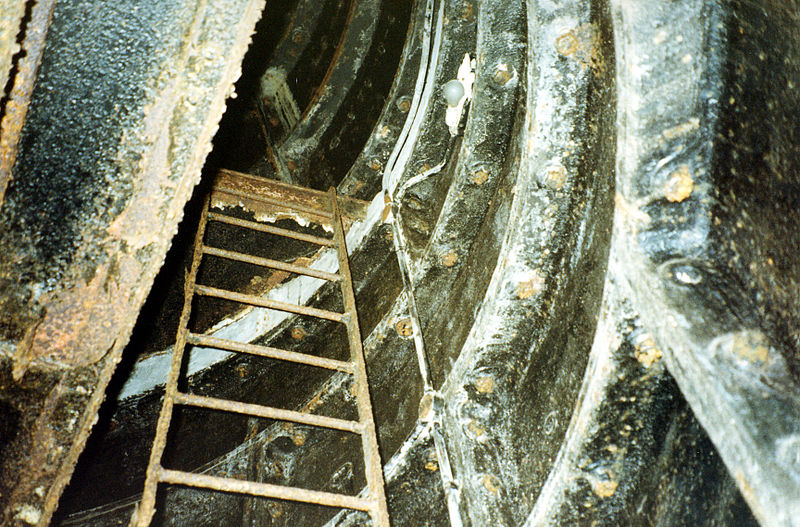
{"x": 16, "y": 108}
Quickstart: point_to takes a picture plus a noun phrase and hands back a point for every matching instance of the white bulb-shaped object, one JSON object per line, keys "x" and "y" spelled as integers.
{"x": 453, "y": 92}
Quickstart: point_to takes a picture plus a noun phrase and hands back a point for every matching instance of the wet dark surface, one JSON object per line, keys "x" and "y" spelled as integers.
{"x": 756, "y": 169}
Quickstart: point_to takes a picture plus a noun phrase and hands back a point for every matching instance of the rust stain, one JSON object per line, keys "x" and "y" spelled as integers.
{"x": 555, "y": 177}
{"x": 81, "y": 324}
{"x": 425, "y": 406}
{"x": 298, "y": 333}
{"x": 299, "y": 438}
{"x": 475, "y": 429}
{"x": 751, "y": 347}
{"x": 467, "y": 11}
{"x": 234, "y": 188}
{"x": 502, "y": 74}
{"x": 432, "y": 463}
{"x": 480, "y": 176}
{"x": 681, "y": 129}
{"x": 404, "y": 104}
{"x": 319, "y": 90}
{"x": 583, "y": 45}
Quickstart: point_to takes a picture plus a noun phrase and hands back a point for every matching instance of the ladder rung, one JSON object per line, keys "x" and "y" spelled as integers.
{"x": 265, "y": 490}
{"x": 270, "y": 304}
{"x": 284, "y": 204}
{"x": 272, "y": 353}
{"x": 272, "y": 264}
{"x": 267, "y": 412}
{"x": 269, "y": 229}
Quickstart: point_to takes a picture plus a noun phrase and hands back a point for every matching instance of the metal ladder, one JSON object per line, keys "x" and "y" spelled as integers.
{"x": 375, "y": 502}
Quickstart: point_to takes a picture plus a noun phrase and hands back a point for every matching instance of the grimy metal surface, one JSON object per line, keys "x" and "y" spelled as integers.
{"x": 105, "y": 154}
{"x": 375, "y": 504}
{"x": 16, "y": 107}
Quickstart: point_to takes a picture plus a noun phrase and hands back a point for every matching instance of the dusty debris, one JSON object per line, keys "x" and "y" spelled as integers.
{"x": 28, "y": 514}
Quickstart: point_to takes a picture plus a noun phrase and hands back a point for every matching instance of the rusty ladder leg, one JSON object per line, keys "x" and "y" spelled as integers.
{"x": 369, "y": 439}
{"x": 146, "y": 508}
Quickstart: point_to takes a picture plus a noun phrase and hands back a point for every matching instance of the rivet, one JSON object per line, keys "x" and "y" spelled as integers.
{"x": 404, "y": 104}
{"x": 555, "y": 176}
{"x": 449, "y": 258}
{"x": 480, "y": 176}
{"x": 679, "y": 186}
{"x": 404, "y": 327}
{"x": 567, "y": 43}
{"x": 491, "y": 483}
{"x": 502, "y": 74}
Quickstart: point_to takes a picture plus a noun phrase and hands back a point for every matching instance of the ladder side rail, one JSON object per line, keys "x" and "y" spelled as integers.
{"x": 146, "y": 508}
{"x": 374, "y": 466}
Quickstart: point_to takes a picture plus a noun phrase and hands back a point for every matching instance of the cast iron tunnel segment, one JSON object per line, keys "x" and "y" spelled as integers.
{"x": 375, "y": 502}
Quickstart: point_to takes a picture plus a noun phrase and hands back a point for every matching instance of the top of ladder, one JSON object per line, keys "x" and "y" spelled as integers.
{"x": 262, "y": 195}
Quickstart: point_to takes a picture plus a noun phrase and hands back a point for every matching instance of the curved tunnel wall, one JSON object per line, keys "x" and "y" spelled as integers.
{"x": 588, "y": 253}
